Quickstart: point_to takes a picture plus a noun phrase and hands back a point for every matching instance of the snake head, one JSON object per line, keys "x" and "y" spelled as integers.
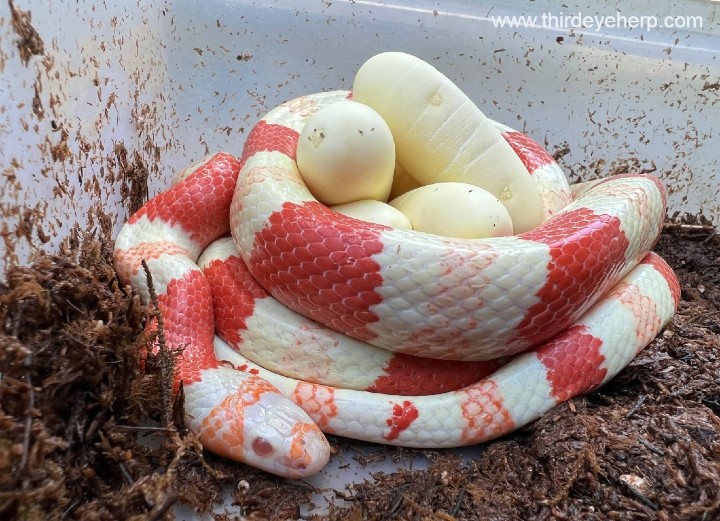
{"x": 245, "y": 418}
{"x": 282, "y": 439}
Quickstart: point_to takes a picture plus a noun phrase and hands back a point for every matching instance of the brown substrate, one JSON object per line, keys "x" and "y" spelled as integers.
{"x": 73, "y": 444}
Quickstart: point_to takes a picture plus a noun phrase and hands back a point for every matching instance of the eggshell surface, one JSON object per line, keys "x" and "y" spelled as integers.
{"x": 458, "y": 210}
{"x": 346, "y": 153}
{"x": 375, "y": 212}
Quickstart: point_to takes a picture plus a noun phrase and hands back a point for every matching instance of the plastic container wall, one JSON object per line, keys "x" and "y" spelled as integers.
{"x": 97, "y": 98}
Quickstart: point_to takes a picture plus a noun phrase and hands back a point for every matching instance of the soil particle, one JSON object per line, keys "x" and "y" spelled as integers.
{"x": 75, "y": 441}
{"x": 134, "y": 178}
{"x": 29, "y": 42}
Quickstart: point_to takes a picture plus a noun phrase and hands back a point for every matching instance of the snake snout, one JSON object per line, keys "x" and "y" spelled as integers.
{"x": 308, "y": 449}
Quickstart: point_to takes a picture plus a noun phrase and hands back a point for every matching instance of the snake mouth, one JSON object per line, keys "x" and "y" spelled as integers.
{"x": 308, "y": 466}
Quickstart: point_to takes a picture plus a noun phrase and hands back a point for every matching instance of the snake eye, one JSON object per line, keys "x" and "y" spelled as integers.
{"x": 262, "y": 447}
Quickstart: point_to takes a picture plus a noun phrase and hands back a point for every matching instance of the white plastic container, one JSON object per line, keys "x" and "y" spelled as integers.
{"x": 171, "y": 81}
{"x": 168, "y": 82}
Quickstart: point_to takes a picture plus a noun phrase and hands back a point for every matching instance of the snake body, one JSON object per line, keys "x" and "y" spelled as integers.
{"x": 280, "y": 340}
{"x": 578, "y": 297}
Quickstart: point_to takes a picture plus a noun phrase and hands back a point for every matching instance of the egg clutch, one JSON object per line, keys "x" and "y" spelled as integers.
{"x": 412, "y": 151}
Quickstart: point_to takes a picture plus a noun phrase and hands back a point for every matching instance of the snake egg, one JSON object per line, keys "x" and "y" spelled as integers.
{"x": 376, "y": 212}
{"x": 455, "y": 210}
{"x": 346, "y": 153}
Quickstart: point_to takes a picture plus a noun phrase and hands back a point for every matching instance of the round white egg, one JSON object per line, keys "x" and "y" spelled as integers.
{"x": 455, "y": 210}
{"x": 346, "y": 153}
{"x": 376, "y": 212}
